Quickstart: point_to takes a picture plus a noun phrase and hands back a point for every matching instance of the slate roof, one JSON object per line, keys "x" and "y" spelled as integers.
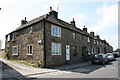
{"x": 59, "y": 22}
{"x": 32, "y": 22}
{"x": 66, "y": 25}
{"x": 117, "y": 50}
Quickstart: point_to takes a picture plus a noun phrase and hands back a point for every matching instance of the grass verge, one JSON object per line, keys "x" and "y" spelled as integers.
{"x": 37, "y": 64}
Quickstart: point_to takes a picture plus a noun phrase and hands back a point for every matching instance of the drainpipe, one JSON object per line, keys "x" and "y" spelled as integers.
{"x": 44, "y": 46}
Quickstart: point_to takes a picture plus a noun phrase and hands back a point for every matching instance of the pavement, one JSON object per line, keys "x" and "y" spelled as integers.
{"x": 72, "y": 66}
{"x": 26, "y": 70}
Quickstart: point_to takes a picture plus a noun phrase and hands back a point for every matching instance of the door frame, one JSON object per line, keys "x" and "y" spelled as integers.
{"x": 67, "y": 52}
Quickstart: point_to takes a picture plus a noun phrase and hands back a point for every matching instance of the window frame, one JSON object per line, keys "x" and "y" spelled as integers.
{"x": 97, "y": 42}
{"x": 94, "y": 41}
{"x": 55, "y": 31}
{"x": 30, "y": 29}
{"x": 28, "y": 51}
{"x": 8, "y": 38}
{"x": 88, "y": 39}
{"x": 88, "y": 50}
{"x": 13, "y": 52}
{"x": 56, "y": 48}
{"x": 74, "y": 35}
{"x": 14, "y": 37}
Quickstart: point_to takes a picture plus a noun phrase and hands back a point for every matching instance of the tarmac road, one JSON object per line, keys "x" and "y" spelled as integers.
{"x": 15, "y": 71}
{"x": 109, "y": 70}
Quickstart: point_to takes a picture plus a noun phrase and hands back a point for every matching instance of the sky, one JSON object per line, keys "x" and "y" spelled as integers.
{"x": 100, "y": 16}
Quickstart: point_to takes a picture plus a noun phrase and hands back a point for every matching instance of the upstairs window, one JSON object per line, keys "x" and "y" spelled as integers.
{"x": 88, "y": 39}
{"x": 55, "y": 31}
{"x": 92, "y": 49}
{"x": 8, "y": 37}
{"x": 82, "y": 37}
{"x": 74, "y": 35}
{"x": 95, "y": 50}
{"x": 15, "y": 50}
{"x": 30, "y": 30}
{"x": 13, "y": 36}
{"x": 56, "y": 49}
{"x": 29, "y": 49}
{"x": 88, "y": 50}
{"x": 94, "y": 41}
{"x": 97, "y": 42}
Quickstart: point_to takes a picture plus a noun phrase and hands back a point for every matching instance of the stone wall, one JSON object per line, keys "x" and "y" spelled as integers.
{"x": 65, "y": 39}
{"x": 2, "y": 54}
{"x": 25, "y": 38}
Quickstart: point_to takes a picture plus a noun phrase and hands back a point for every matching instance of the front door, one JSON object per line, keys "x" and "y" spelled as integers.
{"x": 67, "y": 52}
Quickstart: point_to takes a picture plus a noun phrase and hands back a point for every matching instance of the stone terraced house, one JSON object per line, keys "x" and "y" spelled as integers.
{"x": 52, "y": 41}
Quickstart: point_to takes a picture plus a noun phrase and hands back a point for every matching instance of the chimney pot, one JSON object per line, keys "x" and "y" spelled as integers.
{"x": 50, "y": 8}
{"x": 73, "y": 23}
{"x": 25, "y": 18}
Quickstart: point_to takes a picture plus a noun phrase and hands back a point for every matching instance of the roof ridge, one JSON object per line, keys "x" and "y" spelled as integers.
{"x": 32, "y": 21}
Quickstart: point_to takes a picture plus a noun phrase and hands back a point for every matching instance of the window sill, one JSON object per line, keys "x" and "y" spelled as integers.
{"x": 56, "y": 36}
{"x": 56, "y": 54}
{"x": 29, "y": 54}
{"x": 13, "y": 40}
{"x": 14, "y": 54}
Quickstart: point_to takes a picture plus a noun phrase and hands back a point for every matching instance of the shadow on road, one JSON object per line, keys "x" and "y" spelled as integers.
{"x": 85, "y": 69}
{"x": 8, "y": 73}
{"x": 90, "y": 68}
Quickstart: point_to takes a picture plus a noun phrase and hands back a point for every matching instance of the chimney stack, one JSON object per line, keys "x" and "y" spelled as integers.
{"x": 73, "y": 23}
{"x": 97, "y": 36}
{"x": 92, "y": 33}
{"x": 53, "y": 13}
{"x": 23, "y": 21}
{"x": 85, "y": 29}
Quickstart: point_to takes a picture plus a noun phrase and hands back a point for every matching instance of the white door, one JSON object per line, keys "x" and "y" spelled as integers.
{"x": 67, "y": 52}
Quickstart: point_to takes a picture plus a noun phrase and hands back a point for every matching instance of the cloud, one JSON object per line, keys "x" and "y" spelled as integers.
{"x": 79, "y": 18}
{"x": 54, "y": 4}
{"x": 109, "y": 17}
{"x": 113, "y": 40}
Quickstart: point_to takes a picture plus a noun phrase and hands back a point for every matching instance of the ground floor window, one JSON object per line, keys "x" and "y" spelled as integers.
{"x": 88, "y": 51}
{"x": 56, "y": 49}
{"x": 29, "y": 49}
{"x": 15, "y": 50}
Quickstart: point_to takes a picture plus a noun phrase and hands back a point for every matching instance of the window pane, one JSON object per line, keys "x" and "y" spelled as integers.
{"x": 15, "y": 50}
{"x": 56, "y": 31}
{"x": 53, "y": 31}
{"x": 31, "y": 28}
{"x": 59, "y": 48}
{"x": 53, "y": 48}
{"x": 30, "y": 49}
{"x": 27, "y": 49}
{"x": 56, "y": 49}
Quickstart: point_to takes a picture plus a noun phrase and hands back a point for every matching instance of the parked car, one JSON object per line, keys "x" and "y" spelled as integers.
{"x": 116, "y": 54}
{"x": 99, "y": 58}
{"x": 110, "y": 56}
